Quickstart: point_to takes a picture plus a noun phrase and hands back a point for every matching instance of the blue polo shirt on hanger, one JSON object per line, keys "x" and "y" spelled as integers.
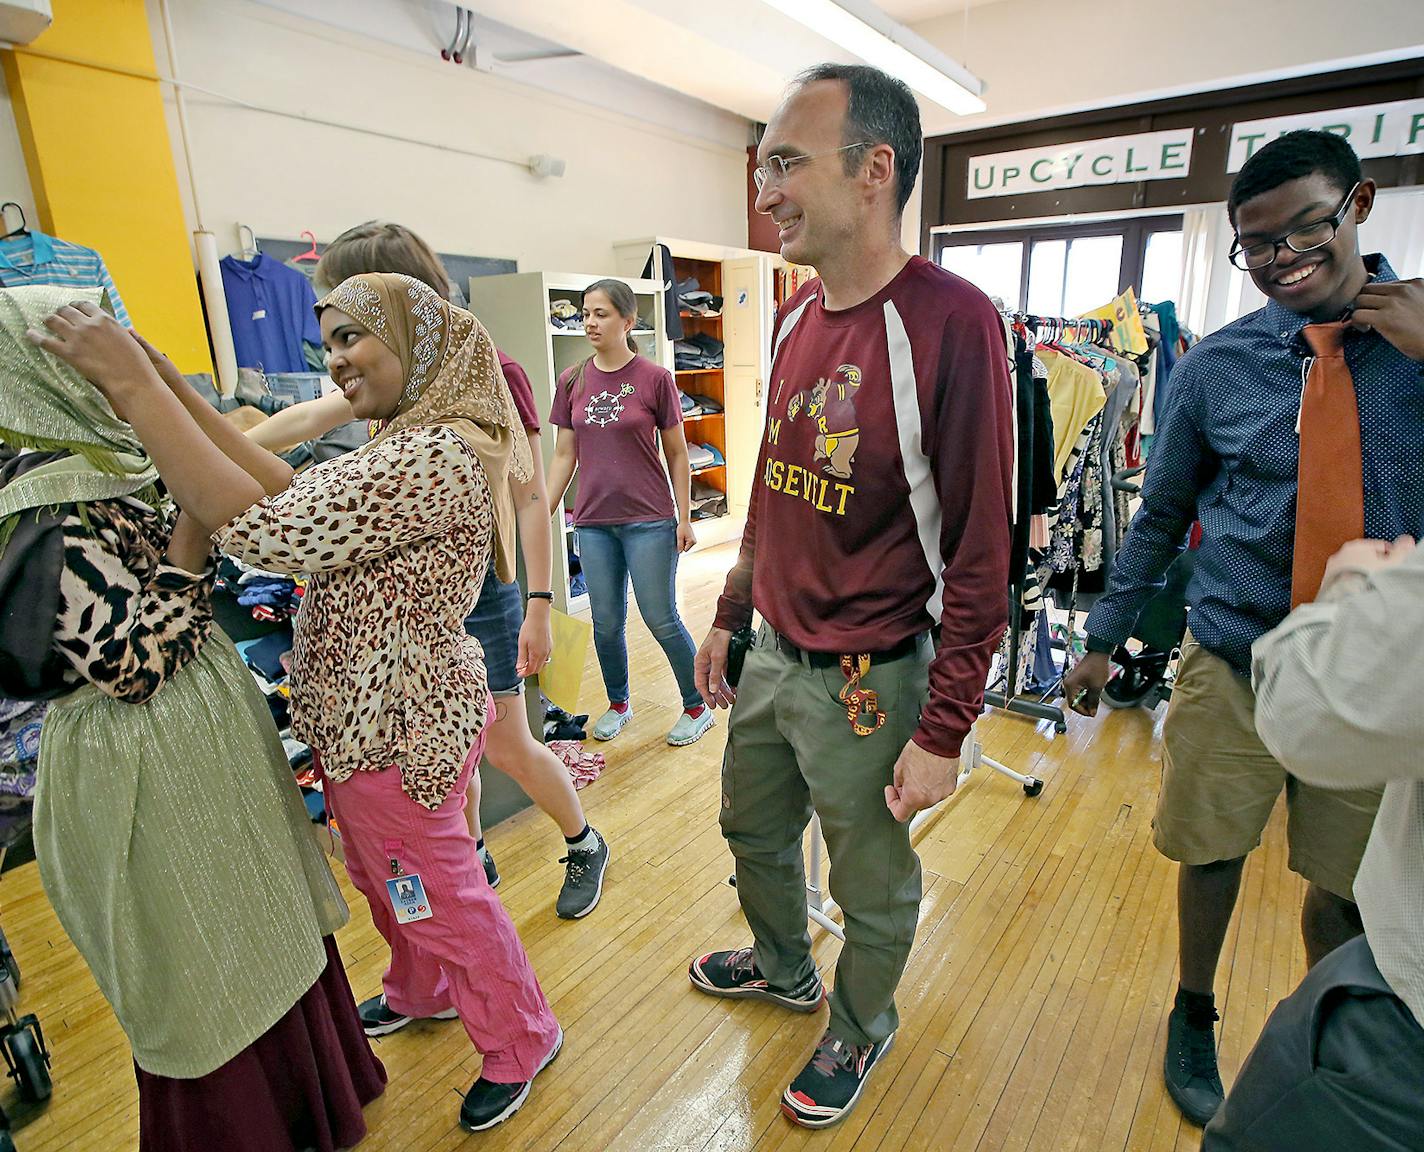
{"x": 39, "y": 259}
{"x": 270, "y": 308}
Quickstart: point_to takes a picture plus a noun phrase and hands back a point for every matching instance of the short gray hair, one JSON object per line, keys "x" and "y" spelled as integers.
{"x": 880, "y": 110}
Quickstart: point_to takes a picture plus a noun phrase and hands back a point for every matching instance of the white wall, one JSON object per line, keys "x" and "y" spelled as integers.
{"x": 14, "y": 178}
{"x": 626, "y": 177}
{"x": 1043, "y": 56}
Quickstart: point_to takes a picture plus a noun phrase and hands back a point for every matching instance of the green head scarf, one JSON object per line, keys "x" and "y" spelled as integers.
{"x": 47, "y": 405}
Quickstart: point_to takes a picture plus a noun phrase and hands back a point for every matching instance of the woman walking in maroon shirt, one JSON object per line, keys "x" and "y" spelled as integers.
{"x": 612, "y": 411}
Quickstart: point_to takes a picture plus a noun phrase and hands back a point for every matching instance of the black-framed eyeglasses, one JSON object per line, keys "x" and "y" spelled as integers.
{"x": 775, "y": 170}
{"x": 1306, "y": 238}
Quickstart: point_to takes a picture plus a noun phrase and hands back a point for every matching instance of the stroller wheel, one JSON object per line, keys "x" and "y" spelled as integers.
{"x": 1138, "y": 679}
{"x": 31, "y": 1068}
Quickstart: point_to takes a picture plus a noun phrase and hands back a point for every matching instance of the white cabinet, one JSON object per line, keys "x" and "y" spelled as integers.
{"x": 736, "y": 388}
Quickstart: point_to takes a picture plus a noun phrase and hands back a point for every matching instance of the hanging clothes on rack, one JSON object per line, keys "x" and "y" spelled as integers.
{"x": 1043, "y": 422}
{"x": 1168, "y": 340}
{"x": 28, "y": 258}
{"x": 271, "y": 309}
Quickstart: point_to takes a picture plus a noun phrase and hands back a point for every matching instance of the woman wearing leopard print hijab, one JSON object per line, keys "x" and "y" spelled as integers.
{"x": 387, "y": 686}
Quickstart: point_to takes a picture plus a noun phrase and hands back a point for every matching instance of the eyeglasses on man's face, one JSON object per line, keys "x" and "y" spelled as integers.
{"x": 776, "y": 168}
{"x": 1306, "y": 238}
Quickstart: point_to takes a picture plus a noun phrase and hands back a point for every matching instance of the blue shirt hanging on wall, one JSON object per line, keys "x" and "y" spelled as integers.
{"x": 270, "y": 307}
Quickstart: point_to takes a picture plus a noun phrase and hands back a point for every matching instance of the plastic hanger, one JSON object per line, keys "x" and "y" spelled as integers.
{"x": 248, "y": 239}
{"x": 311, "y": 253}
{"x": 22, "y": 230}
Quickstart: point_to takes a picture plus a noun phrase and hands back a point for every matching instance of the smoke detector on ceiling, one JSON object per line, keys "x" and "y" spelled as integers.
{"x": 545, "y": 165}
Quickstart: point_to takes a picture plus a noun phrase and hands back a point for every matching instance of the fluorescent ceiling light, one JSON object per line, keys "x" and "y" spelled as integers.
{"x": 863, "y": 30}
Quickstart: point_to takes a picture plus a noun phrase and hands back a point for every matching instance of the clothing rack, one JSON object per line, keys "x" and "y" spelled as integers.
{"x": 1062, "y": 328}
{"x": 1043, "y": 329}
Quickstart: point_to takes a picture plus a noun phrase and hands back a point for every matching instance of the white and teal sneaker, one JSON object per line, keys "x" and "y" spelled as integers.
{"x": 612, "y": 722}
{"x": 689, "y": 728}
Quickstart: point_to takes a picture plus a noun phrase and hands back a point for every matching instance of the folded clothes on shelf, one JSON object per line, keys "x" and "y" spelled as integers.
{"x": 703, "y": 403}
{"x": 691, "y": 298}
{"x": 705, "y": 456}
{"x": 699, "y": 350}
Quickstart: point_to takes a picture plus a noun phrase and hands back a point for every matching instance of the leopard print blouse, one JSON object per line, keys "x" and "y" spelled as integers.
{"x": 128, "y": 620}
{"x": 396, "y": 538}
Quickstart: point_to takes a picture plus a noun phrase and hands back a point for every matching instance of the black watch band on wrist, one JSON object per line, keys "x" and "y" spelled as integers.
{"x": 1096, "y": 644}
{"x": 549, "y": 596}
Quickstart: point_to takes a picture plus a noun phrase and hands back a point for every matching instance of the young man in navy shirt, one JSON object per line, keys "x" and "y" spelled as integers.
{"x": 1227, "y": 452}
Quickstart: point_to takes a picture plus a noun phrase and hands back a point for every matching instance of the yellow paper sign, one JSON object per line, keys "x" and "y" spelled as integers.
{"x": 1127, "y": 335}
{"x": 562, "y": 678}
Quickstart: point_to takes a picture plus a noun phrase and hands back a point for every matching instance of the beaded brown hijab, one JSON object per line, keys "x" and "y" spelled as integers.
{"x": 452, "y": 378}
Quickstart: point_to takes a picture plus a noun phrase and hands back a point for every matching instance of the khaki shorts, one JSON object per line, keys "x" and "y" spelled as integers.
{"x": 1219, "y": 784}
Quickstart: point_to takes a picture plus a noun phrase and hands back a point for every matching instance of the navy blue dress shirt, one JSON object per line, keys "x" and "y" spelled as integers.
{"x": 270, "y": 308}
{"x": 1226, "y": 453}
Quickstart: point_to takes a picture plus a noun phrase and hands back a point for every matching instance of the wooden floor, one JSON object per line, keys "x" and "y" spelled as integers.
{"x": 1034, "y": 1006}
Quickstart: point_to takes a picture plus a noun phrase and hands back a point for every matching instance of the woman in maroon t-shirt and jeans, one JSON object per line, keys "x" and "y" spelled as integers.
{"x": 611, "y": 412}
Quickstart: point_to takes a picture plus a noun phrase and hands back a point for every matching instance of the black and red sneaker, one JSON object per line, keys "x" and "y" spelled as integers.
{"x": 831, "y": 1083}
{"x": 735, "y": 976}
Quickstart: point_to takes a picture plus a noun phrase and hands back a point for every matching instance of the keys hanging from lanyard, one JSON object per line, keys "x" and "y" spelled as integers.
{"x": 862, "y": 704}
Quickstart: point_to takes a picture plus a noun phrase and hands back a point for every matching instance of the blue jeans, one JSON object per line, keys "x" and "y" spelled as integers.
{"x": 495, "y": 621}
{"x": 647, "y": 552}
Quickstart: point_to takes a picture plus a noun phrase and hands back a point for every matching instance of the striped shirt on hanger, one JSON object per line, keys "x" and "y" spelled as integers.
{"x": 39, "y": 259}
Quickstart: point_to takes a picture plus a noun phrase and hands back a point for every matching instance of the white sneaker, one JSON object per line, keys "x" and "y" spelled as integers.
{"x": 611, "y": 723}
{"x": 690, "y": 729}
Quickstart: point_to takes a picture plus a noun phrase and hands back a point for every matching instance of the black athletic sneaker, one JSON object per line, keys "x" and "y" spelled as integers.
{"x": 735, "y": 976}
{"x": 487, "y": 1103}
{"x": 583, "y": 881}
{"x": 379, "y": 1019}
{"x": 491, "y": 872}
{"x": 831, "y": 1083}
{"x": 1190, "y": 1067}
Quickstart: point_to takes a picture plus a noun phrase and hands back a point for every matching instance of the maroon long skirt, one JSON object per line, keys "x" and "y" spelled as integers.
{"x": 300, "y": 1085}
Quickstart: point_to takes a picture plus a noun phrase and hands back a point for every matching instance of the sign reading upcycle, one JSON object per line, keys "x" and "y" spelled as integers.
{"x": 1113, "y": 160}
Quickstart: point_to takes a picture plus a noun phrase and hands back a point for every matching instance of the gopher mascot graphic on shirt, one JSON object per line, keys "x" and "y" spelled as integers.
{"x": 831, "y": 403}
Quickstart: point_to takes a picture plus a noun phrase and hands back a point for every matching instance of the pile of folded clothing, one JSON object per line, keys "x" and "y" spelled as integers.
{"x": 691, "y": 298}
{"x": 566, "y": 315}
{"x": 707, "y": 502}
{"x": 698, "y": 350}
{"x": 702, "y": 456}
{"x": 695, "y": 404}
{"x": 270, "y": 596}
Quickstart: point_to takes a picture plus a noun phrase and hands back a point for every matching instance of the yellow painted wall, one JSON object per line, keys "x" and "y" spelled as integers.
{"x": 101, "y": 164}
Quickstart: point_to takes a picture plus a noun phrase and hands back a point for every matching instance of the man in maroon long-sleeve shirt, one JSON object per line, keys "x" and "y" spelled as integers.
{"x": 879, "y": 525}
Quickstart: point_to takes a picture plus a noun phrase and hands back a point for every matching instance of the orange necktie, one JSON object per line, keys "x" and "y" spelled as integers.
{"x": 1330, "y": 498}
